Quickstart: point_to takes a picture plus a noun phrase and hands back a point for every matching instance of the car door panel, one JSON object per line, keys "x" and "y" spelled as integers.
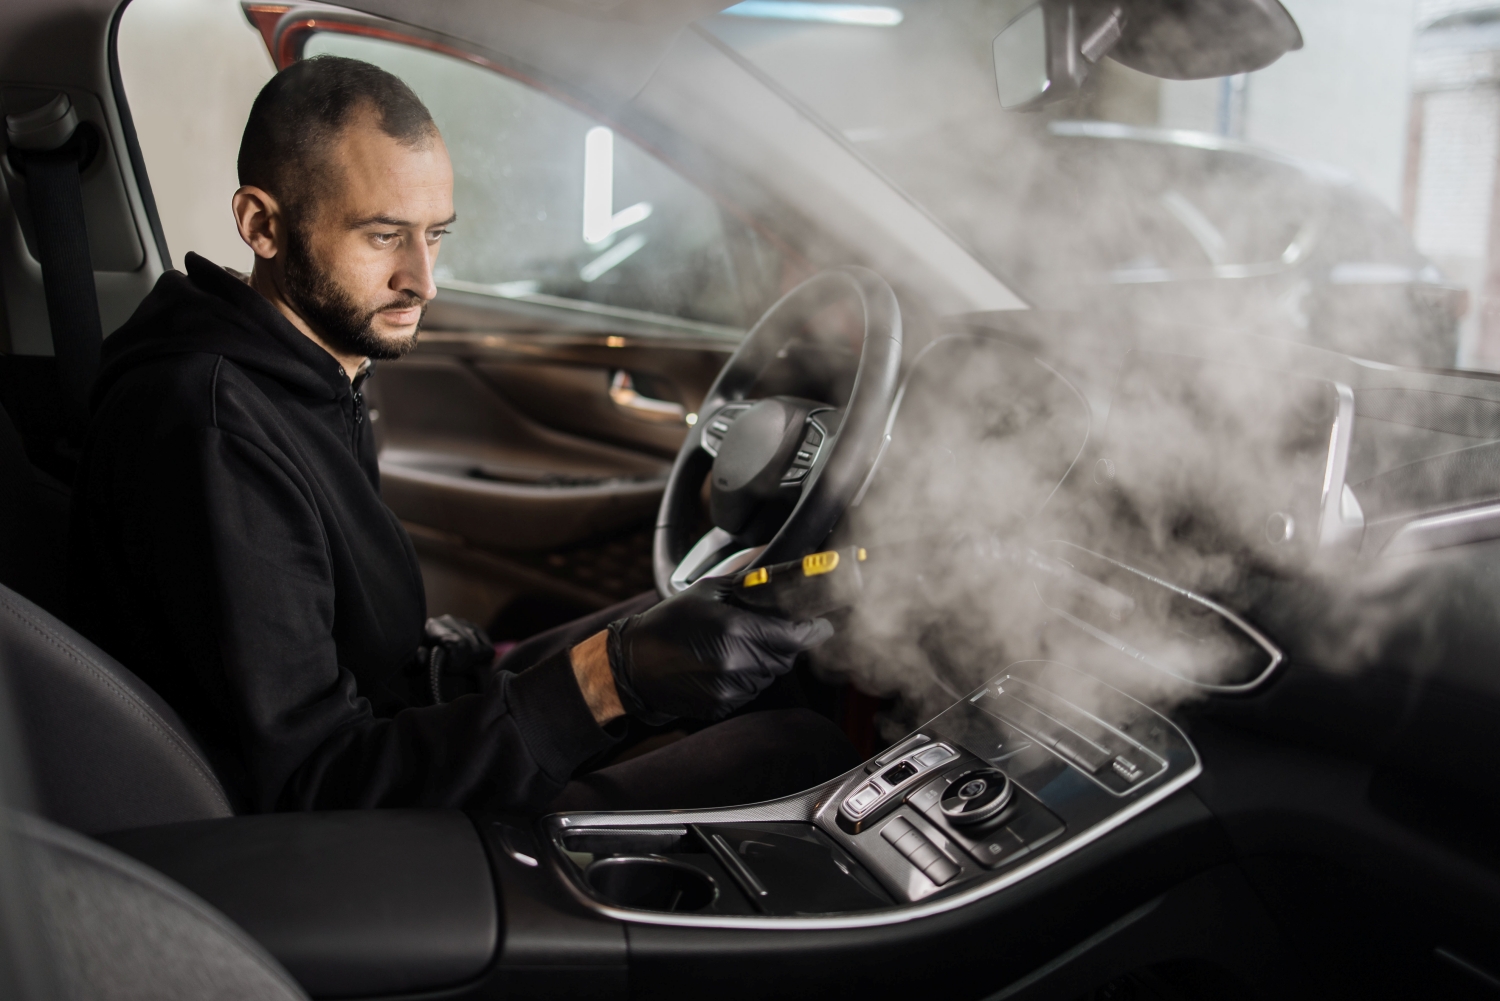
{"x": 525, "y": 485}
{"x": 588, "y": 399}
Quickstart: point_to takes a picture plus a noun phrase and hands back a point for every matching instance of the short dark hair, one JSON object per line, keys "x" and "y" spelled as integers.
{"x": 299, "y": 113}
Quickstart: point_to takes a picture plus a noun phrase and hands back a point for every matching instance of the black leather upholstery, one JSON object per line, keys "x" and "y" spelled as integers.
{"x": 355, "y": 903}
{"x": 106, "y": 751}
{"x": 120, "y": 932}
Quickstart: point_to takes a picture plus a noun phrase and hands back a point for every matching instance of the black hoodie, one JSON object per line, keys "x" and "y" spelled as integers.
{"x": 229, "y": 545}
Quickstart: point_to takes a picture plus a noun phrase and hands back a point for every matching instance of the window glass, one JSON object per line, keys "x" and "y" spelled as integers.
{"x": 552, "y": 204}
{"x": 1341, "y": 196}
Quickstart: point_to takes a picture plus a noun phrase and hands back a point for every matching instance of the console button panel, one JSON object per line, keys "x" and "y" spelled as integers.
{"x": 1035, "y": 763}
{"x": 872, "y": 798}
{"x": 920, "y": 852}
{"x": 1103, "y": 751}
{"x": 1008, "y": 777}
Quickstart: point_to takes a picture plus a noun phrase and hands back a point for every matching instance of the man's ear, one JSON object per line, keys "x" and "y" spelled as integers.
{"x": 261, "y": 223}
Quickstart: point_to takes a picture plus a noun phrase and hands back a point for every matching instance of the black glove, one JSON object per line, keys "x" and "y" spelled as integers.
{"x": 699, "y": 655}
{"x": 455, "y": 647}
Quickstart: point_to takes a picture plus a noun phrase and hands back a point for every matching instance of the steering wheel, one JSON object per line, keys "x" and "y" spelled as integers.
{"x": 782, "y": 469}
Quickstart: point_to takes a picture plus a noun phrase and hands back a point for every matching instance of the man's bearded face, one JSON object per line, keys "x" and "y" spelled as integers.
{"x": 345, "y": 324}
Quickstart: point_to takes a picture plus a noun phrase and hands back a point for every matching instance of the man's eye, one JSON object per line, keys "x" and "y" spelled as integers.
{"x": 385, "y": 239}
{"x": 437, "y": 235}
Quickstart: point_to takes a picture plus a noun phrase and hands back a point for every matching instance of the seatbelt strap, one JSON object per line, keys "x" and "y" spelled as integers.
{"x": 51, "y": 149}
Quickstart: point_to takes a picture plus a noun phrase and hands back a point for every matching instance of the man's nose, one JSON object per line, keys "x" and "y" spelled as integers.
{"x": 415, "y": 274}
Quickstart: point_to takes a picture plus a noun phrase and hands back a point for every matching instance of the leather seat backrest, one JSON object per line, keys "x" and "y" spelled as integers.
{"x": 119, "y": 931}
{"x": 106, "y": 751}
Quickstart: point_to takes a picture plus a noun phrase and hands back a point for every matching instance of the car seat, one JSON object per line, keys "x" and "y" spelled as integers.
{"x": 117, "y": 930}
{"x": 106, "y": 751}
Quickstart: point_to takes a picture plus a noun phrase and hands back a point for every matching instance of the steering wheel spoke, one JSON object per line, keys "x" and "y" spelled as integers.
{"x": 713, "y": 555}
{"x": 782, "y": 469}
{"x": 817, "y": 430}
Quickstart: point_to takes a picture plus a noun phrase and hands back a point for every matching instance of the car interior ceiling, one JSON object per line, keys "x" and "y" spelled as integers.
{"x": 1098, "y": 817}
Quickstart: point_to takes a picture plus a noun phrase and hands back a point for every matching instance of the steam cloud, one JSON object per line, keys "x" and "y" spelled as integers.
{"x": 1002, "y": 479}
{"x": 1004, "y": 471}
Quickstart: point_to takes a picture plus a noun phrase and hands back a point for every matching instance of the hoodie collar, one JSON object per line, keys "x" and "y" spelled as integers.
{"x": 266, "y": 318}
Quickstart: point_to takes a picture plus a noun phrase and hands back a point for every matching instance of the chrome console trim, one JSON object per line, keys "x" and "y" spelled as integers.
{"x": 1259, "y": 638}
{"x": 803, "y": 807}
{"x": 1341, "y": 523}
{"x": 1440, "y": 531}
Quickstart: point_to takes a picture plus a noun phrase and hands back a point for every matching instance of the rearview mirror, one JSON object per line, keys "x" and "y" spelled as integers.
{"x": 1045, "y": 54}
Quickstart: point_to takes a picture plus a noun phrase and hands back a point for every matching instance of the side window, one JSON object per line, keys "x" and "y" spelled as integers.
{"x": 553, "y": 205}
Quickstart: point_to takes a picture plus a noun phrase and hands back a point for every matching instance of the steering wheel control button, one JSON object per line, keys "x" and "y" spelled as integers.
{"x": 718, "y": 426}
{"x": 975, "y": 797}
{"x": 806, "y": 456}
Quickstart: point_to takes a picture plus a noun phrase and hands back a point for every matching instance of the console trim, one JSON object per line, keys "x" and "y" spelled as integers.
{"x": 1259, "y": 638}
{"x": 802, "y": 807}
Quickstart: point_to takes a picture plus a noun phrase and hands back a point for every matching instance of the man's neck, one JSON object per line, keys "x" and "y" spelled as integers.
{"x": 262, "y": 280}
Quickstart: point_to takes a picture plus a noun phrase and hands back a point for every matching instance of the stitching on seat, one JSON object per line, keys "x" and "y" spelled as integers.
{"x": 100, "y": 857}
{"x": 130, "y": 699}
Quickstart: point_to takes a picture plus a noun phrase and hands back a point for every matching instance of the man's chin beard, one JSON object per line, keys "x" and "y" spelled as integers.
{"x": 342, "y": 324}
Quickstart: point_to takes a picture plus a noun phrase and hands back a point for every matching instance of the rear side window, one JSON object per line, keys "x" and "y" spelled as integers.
{"x": 554, "y": 205}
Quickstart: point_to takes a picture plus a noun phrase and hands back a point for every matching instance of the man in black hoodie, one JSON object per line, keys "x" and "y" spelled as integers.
{"x": 229, "y": 543}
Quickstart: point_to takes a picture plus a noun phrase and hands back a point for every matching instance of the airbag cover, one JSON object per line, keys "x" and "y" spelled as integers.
{"x": 747, "y": 471}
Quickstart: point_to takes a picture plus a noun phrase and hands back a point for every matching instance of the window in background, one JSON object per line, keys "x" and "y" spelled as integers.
{"x": 191, "y": 70}
{"x": 553, "y": 205}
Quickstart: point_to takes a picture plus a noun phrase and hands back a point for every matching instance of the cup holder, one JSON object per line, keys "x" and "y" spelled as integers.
{"x": 651, "y": 883}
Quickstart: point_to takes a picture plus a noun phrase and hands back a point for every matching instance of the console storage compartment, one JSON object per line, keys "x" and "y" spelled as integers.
{"x": 735, "y": 868}
{"x": 358, "y": 903}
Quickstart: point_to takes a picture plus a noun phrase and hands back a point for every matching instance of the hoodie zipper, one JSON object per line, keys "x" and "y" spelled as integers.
{"x": 357, "y": 407}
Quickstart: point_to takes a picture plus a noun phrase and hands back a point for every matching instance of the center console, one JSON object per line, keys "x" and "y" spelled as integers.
{"x": 1039, "y": 761}
{"x": 1006, "y": 785}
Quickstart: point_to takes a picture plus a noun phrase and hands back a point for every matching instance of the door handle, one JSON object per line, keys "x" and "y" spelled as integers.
{"x": 622, "y": 392}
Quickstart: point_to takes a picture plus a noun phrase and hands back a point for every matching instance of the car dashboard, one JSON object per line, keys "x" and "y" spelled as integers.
{"x": 1120, "y": 735}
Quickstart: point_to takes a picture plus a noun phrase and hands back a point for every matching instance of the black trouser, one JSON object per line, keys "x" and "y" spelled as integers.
{"x": 770, "y": 748}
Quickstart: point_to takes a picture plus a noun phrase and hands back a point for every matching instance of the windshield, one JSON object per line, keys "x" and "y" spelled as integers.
{"x": 1318, "y": 198}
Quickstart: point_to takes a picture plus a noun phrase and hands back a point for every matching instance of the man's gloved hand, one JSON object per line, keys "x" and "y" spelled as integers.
{"x": 699, "y": 655}
{"x": 455, "y": 647}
